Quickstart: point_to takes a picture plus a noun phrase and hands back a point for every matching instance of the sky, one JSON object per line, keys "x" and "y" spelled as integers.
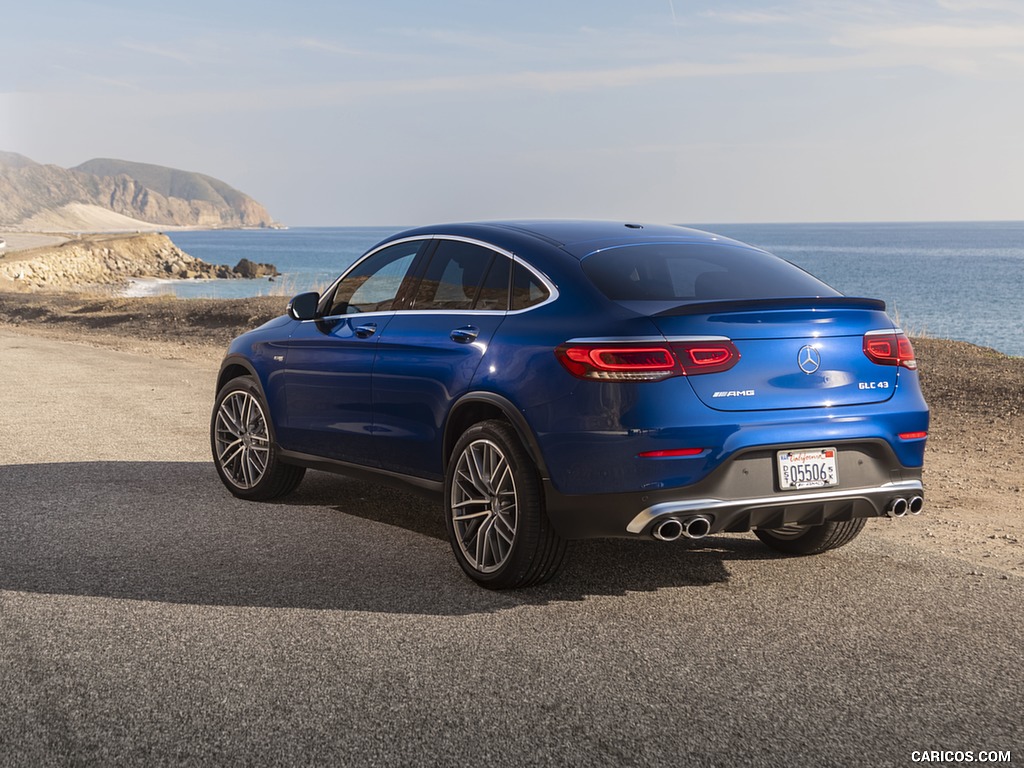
{"x": 405, "y": 113}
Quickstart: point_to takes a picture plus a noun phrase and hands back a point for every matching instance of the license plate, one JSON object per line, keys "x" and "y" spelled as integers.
{"x": 807, "y": 469}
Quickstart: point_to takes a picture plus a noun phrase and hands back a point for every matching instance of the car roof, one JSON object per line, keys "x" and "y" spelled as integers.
{"x": 578, "y": 237}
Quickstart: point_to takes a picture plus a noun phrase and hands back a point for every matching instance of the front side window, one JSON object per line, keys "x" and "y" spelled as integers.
{"x": 373, "y": 285}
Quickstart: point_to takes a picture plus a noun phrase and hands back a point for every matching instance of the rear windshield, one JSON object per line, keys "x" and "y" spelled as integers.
{"x": 679, "y": 273}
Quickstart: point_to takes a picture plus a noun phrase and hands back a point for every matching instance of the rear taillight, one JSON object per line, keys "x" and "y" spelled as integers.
{"x": 890, "y": 348}
{"x": 646, "y": 362}
{"x": 706, "y": 356}
{"x": 618, "y": 362}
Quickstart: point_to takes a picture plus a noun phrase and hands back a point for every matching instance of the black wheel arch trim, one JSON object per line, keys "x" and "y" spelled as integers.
{"x": 232, "y": 361}
{"x": 514, "y": 416}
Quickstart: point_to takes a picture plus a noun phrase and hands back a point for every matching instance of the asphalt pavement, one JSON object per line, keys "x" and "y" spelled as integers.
{"x": 147, "y": 617}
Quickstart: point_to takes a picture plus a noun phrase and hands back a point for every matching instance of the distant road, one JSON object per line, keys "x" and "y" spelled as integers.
{"x": 148, "y": 618}
{"x": 20, "y": 241}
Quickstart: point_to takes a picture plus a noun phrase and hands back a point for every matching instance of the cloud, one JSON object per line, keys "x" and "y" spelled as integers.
{"x": 541, "y": 81}
{"x": 322, "y": 46}
{"x": 154, "y": 50}
{"x": 934, "y": 36}
{"x": 975, "y": 6}
{"x": 747, "y": 17}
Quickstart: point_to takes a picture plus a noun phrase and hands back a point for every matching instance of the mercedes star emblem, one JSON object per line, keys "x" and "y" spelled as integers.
{"x": 808, "y": 359}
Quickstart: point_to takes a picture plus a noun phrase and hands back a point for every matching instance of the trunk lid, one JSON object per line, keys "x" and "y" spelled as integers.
{"x": 793, "y": 353}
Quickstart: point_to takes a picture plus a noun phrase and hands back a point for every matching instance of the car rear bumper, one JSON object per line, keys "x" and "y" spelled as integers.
{"x": 781, "y": 509}
{"x": 743, "y": 494}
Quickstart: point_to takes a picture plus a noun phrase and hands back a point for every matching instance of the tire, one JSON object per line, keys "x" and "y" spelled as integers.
{"x": 494, "y": 511}
{"x": 242, "y": 441}
{"x": 811, "y": 539}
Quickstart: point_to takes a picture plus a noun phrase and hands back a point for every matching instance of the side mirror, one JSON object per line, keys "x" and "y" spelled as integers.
{"x": 303, "y": 306}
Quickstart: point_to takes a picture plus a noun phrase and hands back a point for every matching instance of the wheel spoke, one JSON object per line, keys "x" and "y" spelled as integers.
{"x": 471, "y": 516}
{"x": 509, "y": 532}
{"x": 468, "y": 503}
{"x": 239, "y": 449}
{"x": 483, "y": 540}
{"x": 476, "y": 471}
{"x": 224, "y": 420}
{"x": 500, "y": 466}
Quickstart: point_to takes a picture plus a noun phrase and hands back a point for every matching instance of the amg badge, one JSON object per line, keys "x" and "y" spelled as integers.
{"x": 735, "y": 393}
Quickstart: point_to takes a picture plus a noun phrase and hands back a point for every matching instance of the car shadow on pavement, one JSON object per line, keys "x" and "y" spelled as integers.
{"x": 170, "y": 532}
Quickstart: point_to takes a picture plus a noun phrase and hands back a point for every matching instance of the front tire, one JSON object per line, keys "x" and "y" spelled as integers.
{"x": 497, "y": 524}
{"x": 811, "y": 539}
{"x": 244, "y": 451}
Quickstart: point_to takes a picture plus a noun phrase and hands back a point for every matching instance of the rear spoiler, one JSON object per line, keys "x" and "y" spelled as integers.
{"x": 744, "y": 305}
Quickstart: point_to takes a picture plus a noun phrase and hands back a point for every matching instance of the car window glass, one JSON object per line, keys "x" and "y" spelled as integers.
{"x": 683, "y": 272}
{"x": 494, "y": 291}
{"x": 527, "y": 289}
{"x": 453, "y": 277}
{"x": 373, "y": 285}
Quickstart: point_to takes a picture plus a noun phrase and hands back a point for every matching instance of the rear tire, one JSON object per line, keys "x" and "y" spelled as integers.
{"x": 494, "y": 510}
{"x": 242, "y": 440}
{"x": 811, "y": 539}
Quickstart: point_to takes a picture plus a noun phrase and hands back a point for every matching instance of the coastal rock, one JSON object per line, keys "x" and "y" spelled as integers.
{"x": 252, "y": 269}
{"x": 113, "y": 259}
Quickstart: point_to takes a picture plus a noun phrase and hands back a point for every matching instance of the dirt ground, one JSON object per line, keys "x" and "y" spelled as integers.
{"x": 974, "y": 466}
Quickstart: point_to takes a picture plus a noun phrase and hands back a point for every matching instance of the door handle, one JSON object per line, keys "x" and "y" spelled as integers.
{"x": 366, "y": 330}
{"x": 465, "y": 334}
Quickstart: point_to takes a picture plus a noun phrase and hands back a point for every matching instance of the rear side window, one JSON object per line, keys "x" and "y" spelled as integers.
{"x": 494, "y": 292}
{"x": 527, "y": 289}
{"x": 680, "y": 272}
{"x": 454, "y": 276}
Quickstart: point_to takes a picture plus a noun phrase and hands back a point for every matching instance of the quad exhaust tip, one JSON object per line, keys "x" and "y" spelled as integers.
{"x": 672, "y": 528}
{"x": 901, "y": 507}
{"x": 668, "y": 530}
{"x": 897, "y": 508}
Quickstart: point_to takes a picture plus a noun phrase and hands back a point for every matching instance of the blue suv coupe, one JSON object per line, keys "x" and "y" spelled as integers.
{"x": 557, "y": 380}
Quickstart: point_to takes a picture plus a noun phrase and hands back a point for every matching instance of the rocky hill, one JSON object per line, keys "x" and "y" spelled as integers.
{"x": 106, "y": 194}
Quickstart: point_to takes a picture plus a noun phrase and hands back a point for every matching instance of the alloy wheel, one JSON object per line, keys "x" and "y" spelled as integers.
{"x": 241, "y": 439}
{"x": 484, "y": 506}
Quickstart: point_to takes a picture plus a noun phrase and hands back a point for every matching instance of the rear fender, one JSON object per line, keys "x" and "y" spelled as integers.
{"x": 479, "y": 406}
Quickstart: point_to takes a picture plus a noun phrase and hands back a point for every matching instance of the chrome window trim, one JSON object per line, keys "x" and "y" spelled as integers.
{"x": 380, "y": 313}
{"x": 550, "y": 286}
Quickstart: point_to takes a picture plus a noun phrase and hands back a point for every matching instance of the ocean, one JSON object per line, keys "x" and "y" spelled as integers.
{"x": 949, "y": 280}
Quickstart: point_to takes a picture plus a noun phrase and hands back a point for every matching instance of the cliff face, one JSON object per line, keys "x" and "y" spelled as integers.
{"x": 31, "y": 193}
